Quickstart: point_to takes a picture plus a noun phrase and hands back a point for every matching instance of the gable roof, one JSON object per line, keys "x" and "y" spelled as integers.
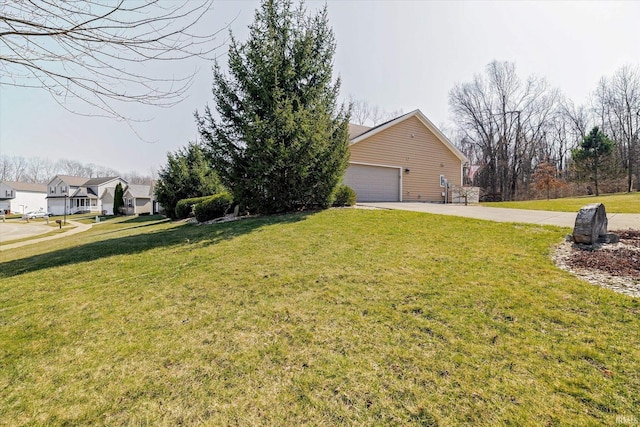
{"x": 139, "y": 191}
{"x": 425, "y": 121}
{"x": 100, "y": 181}
{"x": 80, "y": 181}
{"x": 84, "y": 192}
{"x": 74, "y": 181}
{"x": 357, "y": 130}
{"x": 26, "y": 186}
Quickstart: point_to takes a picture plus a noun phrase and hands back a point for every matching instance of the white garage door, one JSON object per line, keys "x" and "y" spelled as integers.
{"x": 374, "y": 183}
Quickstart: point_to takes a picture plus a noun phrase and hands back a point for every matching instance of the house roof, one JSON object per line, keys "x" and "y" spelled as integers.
{"x": 139, "y": 191}
{"x": 77, "y": 181}
{"x": 99, "y": 181}
{"x": 26, "y": 186}
{"x": 84, "y": 192}
{"x": 74, "y": 181}
{"x": 425, "y": 121}
{"x": 357, "y": 130}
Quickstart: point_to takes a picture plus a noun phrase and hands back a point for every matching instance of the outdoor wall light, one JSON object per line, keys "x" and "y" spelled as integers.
{"x": 407, "y": 170}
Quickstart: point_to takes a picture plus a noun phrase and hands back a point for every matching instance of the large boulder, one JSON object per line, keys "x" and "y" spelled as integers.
{"x": 591, "y": 223}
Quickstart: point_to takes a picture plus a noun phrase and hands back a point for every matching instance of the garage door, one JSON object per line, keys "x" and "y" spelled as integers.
{"x": 374, "y": 183}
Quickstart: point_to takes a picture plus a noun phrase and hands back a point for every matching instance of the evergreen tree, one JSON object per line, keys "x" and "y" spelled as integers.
{"x": 118, "y": 199}
{"x": 592, "y": 153}
{"x": 281, "y": 142}
{"x": 187, "y": 174}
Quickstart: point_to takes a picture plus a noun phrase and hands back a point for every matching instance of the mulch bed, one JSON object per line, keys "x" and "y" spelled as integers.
{"x": 613, "y": 266}
{"x": 622, "y": 259}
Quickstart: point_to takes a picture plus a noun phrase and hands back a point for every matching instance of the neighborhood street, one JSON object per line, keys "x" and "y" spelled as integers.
{"x": 14, "y": 231}
{"x": 19, "y": 229}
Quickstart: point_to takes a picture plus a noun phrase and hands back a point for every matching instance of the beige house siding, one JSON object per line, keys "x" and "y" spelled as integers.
{"x": 143, "y": 206}
{"x": 411, "y": 145}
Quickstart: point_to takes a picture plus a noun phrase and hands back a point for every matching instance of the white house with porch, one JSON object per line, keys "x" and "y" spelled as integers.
{"x": 74, "y": 194}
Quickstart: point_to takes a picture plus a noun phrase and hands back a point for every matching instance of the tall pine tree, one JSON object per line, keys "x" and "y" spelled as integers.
{"x": 281, "y": 142}
{"x": 118, "y": 200}
{"x": 186, "y": 174}
{"x": 592, "y": 152}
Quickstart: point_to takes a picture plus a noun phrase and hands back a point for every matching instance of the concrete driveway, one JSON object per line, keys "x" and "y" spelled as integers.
{"x": 562, "y": 219}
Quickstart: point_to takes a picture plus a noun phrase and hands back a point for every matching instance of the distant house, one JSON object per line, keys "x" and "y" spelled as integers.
{"x": 74, "y": 194}
{"x": 139, "y": 199}
{"x": 404, "y": 159}
{"x": 21, "y": 197}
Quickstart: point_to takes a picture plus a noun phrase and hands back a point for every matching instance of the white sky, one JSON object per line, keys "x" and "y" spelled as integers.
{"x": 393, "y": 54}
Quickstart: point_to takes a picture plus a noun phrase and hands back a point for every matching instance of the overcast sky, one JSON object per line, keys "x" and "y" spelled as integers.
{"x": 393, "y": 54}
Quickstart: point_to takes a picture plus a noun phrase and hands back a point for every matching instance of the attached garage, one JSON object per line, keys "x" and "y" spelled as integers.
{"x": 374, "y": 183}
{"x": 406, "y": 159}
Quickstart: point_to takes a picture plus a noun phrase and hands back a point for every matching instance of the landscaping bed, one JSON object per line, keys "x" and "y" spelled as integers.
{"x": 615, "y": 266}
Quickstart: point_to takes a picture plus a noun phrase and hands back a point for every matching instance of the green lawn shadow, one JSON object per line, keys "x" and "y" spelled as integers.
{"x": 204, "y": 235}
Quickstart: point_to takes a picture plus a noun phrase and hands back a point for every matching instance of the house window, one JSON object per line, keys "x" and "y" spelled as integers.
{"x": 8, "y": 193}
{"x": 52, "y": 190}
{"x": 443, "y": 181}
{"x": 63, "y": 190}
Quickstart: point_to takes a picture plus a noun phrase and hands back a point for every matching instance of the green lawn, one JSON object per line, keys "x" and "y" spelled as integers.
{"x": 614, "y": 203}
{"x": 343, "y": 317}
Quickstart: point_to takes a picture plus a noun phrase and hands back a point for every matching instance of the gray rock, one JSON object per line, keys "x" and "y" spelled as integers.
{"x": 609, "y": 238}
{"x": 591, "y": 223}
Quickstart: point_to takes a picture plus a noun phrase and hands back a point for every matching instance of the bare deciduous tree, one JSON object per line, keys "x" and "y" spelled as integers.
{"x": 38, "y": 170}
{"x": 618, "y": 105}
{"x": 506, "y": 120}
{"x": 72, "y": 168}
{"x": 363, "y": 113}
{"x": 20, "y": 165}
{"x": 6, "y": 168}
{"x": 99, "y": 52}
{"x": 135, "y": 178}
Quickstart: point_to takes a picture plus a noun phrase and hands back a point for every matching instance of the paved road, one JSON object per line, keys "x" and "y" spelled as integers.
{"x": 79, "y": 227}
{"x": 563, "y": 219}
{"x": 19, "y": 229}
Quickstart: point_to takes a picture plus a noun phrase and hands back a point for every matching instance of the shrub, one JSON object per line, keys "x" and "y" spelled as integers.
{"x": 344, "y": 196}
{"x": 184, "y": 207}
{"x": 213, "y": 207}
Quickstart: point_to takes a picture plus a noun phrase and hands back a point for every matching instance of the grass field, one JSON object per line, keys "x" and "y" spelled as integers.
{"x": 343, "y": 317}
{"x": 614, "y": 203}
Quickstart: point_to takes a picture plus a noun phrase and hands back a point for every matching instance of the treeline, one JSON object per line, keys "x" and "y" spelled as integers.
{"x": 509, "y": 127}
{"x": 39, "y": 170}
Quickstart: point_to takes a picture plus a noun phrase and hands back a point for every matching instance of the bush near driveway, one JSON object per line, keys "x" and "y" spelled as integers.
{"x": 344, "y": 196}
{"x": 185, "y": 207}
{"x": 213, "y": 207}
